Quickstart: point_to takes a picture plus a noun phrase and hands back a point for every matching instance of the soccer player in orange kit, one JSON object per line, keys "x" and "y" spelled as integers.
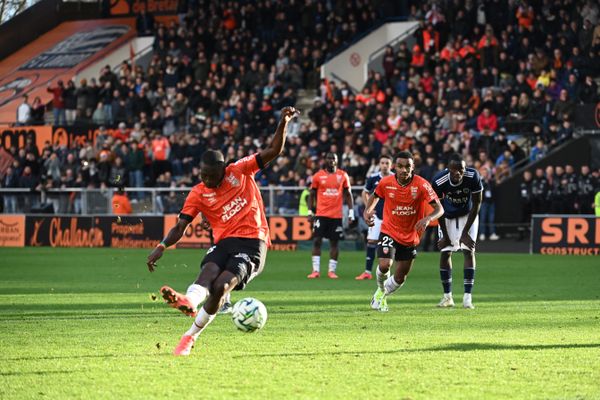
{"x": 229, "y": 199}
{"x": 404, "y": 221}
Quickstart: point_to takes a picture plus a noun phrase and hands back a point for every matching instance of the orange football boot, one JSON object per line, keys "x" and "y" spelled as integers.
{"x": 178, "y": 301}
{"x": 185, "y": 346}
{"x": 364, "y": 276}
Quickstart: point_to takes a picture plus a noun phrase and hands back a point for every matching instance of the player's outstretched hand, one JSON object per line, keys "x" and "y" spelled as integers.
{"x": 204, "y": 224}
{"x": 422, "y": 224}
{"x": 467, "y": 241}
{"x": 289, "y": 112}
{"x": 369, "y": 217}
{"x": 154, "y": 257}
{"x": 443, "y": 242}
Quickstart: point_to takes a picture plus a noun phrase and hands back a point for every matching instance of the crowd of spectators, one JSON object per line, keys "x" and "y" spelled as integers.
{"x": 495, "y": 80}
{"x": 559, "y": 190}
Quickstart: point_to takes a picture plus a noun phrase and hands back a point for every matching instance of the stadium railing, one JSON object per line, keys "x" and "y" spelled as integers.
{"x": 278, "y": 200}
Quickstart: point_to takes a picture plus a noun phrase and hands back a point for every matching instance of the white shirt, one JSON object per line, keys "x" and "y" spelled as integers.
{"x": 23, "y": 113}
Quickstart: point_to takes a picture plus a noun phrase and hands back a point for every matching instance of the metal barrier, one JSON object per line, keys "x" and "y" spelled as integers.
{"x": 278, "y": 200}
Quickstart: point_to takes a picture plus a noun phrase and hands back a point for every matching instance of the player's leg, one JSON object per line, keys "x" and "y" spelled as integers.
{"x": 372, "y": 239}
{"x": 316, "y": 251}
{"x": 226, "y": 308}
{"x": 385, "y": 254}
{"x": 469, "y": 268}
{"x": 334, "y": 231}
{"x": 334, "y": 252}
{"x": 198, "y": 292}
{"x": 369, "y": 261}
{"x": 221, "y": 286}
{"x": 405, "y": 256}
{"x": 396, "y": 281}
{"x": 316, "y": 257}
{"x": 469, "y": 278}
{"x": 382, "y": 274}
{"x": 446, "y": 278}
{"x": 452, "y": 228}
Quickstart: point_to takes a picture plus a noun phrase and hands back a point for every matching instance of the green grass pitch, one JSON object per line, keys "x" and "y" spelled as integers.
{"x": 80, "y": 323}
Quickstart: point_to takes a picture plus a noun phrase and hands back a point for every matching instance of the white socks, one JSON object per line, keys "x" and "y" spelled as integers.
{"x": 197, "y": 294}
{"x": 202, "y": 320}
{"x": 381, "y": 277}
{"x": 332, "y": 265}
{"x": 390, "y": 285}
{"x": 316, "y": 263}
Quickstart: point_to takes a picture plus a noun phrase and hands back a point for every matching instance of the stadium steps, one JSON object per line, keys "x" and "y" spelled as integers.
{"x": 305, "y": 103}
{"x": 59, "y": 54}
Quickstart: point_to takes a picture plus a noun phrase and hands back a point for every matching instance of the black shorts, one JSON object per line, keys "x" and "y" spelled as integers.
{"x": 329, "y": 228}
{"x": 387, "y": 247}
{"x": 243, "y": 257}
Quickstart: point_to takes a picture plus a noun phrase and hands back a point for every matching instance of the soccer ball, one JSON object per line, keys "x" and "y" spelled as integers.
{"x": 249, "y": 315}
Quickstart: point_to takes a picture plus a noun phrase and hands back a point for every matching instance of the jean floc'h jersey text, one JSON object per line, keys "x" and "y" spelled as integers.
{"x": 456, "y": 199}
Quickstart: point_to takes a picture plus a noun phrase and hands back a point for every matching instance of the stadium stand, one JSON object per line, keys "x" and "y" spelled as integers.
{"x": 499, "y": 86}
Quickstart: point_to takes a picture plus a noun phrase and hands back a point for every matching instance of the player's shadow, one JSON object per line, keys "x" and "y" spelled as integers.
{"x": 496, "y": 346}
{"x": 449, "y": 347}
{"x": 48, "y": 312}
{"x": 22, "y": 373}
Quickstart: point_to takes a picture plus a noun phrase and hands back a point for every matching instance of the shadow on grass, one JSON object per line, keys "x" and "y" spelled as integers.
{"x": 85, "y": 356}
{"x": 450, "y": 347}
{"x": 23, "y": 373}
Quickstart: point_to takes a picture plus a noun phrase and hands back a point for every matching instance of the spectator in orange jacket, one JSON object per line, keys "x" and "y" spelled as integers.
{"x": 431, "y": 40}
{"x": 120, "y": 203}
{"x": 448, "y": 53}
{"x": 418, "y": 58}
{"x": 488, "y": 48}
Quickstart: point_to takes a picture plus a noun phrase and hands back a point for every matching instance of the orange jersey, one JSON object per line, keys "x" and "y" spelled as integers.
{"x": 235, "y": 208}
{"x": 330, "y": 192}
{"x": 404, "y": 206}
{"x": 121, "y": 204}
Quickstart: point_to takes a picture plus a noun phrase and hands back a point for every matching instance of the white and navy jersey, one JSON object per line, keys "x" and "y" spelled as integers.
{"x": 456, "y": 199}
{"x": 370, "y": 186}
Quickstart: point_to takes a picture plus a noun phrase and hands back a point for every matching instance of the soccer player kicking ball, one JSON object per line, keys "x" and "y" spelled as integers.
{"x": 230, "y": 200}
{"x": 460, "y": 189}
{"x": 385, "y": 166}
{"x": 404, "y": 220}
{"x": 329, "y": 187}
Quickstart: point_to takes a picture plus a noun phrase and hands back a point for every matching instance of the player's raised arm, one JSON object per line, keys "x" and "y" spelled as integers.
{"x": 172, "y": 237}
{"x": 276, "y": 146}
